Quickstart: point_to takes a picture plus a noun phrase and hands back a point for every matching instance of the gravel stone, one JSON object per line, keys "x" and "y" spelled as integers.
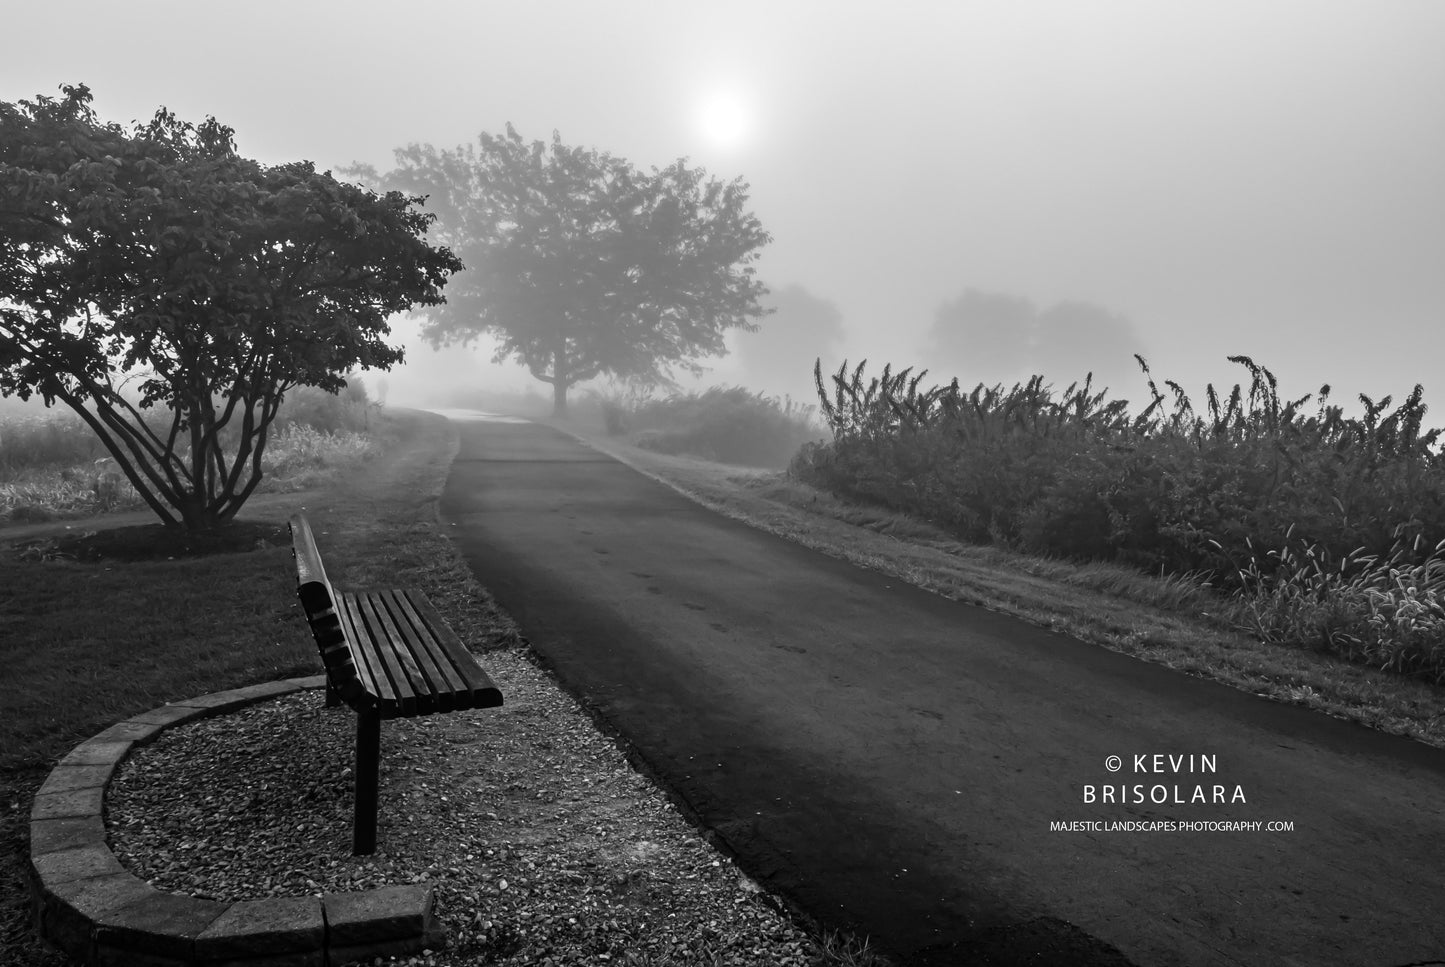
{"x": 541, "y": 843}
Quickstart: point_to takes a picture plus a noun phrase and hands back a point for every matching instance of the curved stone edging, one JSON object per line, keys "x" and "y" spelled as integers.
{"x": 93, "y": 909}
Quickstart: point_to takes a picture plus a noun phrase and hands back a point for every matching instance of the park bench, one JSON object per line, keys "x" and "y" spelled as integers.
{"x": 388, "y": 654}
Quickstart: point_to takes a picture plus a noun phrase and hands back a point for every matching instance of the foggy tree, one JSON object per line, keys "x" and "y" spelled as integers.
{"x": 581, "y": 265}
{"x": 170, "y": 291}
{"x": 984, "y": 336}
{"x": 1075, "y": 338}
{"x": 801, "y": 328}
{"x": 994, "y": 337}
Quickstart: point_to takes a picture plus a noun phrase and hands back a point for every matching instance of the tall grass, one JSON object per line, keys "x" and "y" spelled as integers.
{"x": 1387, "y": 612}
{"x": 1169, "y": 489}
{"x": 34, "y": 442}
{"x": 54, "y": 467}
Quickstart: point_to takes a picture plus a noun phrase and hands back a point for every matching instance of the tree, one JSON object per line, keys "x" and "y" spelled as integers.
{"x": 984, "y": 335}
{"x": 994, "y": 337}
{"x": 779, "y": 357}
{"x": 579, "y": 264}
{"x": 1077, "y": 337}
{"x": 171, "y": 291}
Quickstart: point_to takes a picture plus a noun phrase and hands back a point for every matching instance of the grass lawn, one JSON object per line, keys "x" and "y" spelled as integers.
{"x": 90, "y": 635}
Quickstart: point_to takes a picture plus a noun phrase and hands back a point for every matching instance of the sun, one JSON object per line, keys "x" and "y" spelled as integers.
{"x": 723, "y": 118}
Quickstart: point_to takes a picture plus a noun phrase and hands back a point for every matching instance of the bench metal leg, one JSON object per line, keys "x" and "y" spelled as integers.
{"x": 333, "y": 697}
{"x": 368, "y": 758}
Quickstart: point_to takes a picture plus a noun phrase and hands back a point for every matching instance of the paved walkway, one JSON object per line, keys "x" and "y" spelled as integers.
{"x": 895, "y": 760}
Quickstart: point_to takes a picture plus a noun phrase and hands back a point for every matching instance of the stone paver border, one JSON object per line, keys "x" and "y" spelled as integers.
{"x": 93, "y": 909}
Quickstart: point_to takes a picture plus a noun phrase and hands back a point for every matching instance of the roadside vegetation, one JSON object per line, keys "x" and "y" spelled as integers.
{"x": 729, "y": 424}
{"x": 53, "y": 467}
{"x": 1290, "y": 521}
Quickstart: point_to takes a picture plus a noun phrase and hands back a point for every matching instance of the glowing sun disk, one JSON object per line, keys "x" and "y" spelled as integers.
{"x": 723, "y": 119}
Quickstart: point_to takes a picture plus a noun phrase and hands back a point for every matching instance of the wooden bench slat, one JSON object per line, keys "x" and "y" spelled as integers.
{"x": 449, "y": 689}
{"x": 467, "y": 676}
{"x": 473, "y": 681}
{"x": 374, "y": 676}
{"x": 484, "y": 692}
{"x": 411, "y": 681}
{"x": 380, "y": 651}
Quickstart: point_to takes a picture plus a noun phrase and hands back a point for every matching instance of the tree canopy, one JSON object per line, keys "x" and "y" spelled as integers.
{"x": 581, "y": 265}
{"x": 994, "y": 337}
{"x": 171, "y": 291}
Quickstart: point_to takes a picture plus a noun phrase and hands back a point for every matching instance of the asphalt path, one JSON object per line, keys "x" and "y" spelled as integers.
{"x": 893, "y": 761}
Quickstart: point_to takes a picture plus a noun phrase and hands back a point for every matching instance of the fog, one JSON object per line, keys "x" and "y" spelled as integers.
{"x": 982, "y": 189}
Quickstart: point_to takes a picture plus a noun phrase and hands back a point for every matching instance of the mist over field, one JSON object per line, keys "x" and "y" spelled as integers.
{"x": 987, "y": 191}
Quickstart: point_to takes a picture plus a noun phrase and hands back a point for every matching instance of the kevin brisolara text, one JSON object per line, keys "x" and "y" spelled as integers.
{"x": 1160, "y": 795}
{"x": 1165, "y": 826}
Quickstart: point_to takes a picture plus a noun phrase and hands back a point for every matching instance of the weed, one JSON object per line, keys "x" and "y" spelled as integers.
{"x": 297, "y": 457}
{"x": 1388, "y": 612}
{"x": 300, "y": 456}
{"x": 1170, "y": 490}
{"x": 839, "y": 949}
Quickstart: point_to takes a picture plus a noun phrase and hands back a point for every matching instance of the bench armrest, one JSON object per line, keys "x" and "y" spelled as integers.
{"x": 311, "y": 584}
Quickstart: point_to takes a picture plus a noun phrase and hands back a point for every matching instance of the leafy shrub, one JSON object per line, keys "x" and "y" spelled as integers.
{"x": 349, "y": 409}
{"x": 1076, "y": 474}
{"x": 1169, "y": 490}
{"x": 727, "y": 424}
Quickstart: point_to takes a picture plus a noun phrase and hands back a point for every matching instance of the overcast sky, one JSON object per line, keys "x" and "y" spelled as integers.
{"x": 1210, "y": 178}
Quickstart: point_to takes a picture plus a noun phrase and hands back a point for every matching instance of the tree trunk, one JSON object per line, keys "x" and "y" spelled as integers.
{"x": 559, "y": 379}
{"x": 194, "y": 516}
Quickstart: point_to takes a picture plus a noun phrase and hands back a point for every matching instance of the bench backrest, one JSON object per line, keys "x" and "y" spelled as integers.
{"x": 319, "y": 603}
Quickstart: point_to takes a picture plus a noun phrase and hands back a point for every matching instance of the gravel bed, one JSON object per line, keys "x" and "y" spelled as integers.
{"x": 542, "y": 843}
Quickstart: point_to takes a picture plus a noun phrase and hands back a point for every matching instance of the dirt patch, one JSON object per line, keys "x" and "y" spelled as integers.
{"x": 153, "y": 542}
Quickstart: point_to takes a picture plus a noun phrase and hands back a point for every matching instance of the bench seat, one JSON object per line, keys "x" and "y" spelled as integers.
{"x": 408, "y": 661}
